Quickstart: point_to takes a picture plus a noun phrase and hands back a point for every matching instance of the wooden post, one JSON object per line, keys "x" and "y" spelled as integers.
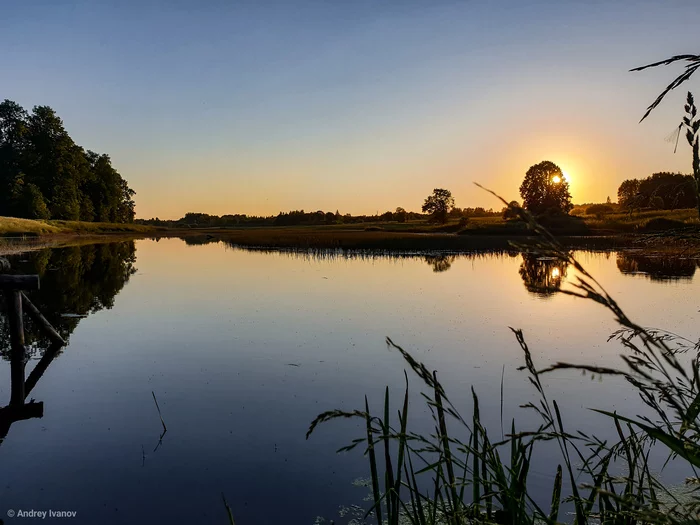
{"x": 34, "y": 312}
{"x": 19, "y": 282}
{"x": 34, "y": 376}
{"x": 17, "y": 352}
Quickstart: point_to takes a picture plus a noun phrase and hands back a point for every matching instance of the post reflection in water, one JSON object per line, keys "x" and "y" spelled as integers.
{"x": 542, "y": 276}
{"x": 75, "y": 281}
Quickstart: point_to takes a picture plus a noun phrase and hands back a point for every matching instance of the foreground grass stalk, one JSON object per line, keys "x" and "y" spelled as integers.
{"x": 616, "y": 477}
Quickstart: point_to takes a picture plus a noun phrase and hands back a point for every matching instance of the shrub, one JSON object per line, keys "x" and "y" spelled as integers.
{"x": 661, "y": 224}
{"x": 599, "y": 210}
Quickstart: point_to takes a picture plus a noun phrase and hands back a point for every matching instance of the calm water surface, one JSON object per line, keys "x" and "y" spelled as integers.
{"x": 243, "y": 349}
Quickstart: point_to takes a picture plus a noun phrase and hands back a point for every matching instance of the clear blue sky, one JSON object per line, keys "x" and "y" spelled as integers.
{"x": 253, "y": 107}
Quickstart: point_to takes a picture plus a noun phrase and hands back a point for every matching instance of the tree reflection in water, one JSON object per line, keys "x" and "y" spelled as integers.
{"x": 75, "y": 281}
{"x": 541, "y": 276}
{"x": 440, "y": 263}
{"x": 657, "y": 268}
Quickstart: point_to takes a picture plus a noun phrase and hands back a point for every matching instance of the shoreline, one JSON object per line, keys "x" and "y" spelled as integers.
{"x": 300, "y": 240}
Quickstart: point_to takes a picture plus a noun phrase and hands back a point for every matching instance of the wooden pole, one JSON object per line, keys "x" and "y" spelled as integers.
{"x": 40, "y": 368}
{"x": 17, "y": 350}
{"x": 34, "y": 312}
{"x": 12, "y": 414}
{"x": 19, "y": 282}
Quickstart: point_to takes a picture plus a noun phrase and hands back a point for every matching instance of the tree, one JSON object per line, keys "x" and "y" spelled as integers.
{"x": 42, "y": 169}
{"x": 677, "y": 191}
{"x": 400, "y": 214}
{"x": 439, "y": 204}
{"x": 627, "y": 193}
{"x": 545, "y": 189}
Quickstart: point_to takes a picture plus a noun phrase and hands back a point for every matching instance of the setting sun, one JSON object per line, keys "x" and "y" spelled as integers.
{"x": 556, "y": 179}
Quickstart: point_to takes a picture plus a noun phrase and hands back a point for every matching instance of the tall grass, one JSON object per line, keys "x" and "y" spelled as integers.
{"x": 459, "y": 474}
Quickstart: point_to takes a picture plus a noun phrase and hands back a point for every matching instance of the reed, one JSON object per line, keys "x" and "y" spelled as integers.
{"x": 458, "y": 474}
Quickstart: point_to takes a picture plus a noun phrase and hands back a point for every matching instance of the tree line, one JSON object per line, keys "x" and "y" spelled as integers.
{"x": 661, "y": 191}
{"x": 44, "y": 174}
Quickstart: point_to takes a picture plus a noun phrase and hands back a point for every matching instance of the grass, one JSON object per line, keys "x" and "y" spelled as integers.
{"x": 610, "y": 231}
{"x": 386, "y": 241}
{"x": 459, "y": 475}
{"x": 13, "y": 227}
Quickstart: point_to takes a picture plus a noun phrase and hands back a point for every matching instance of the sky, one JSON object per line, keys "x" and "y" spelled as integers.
{"x": 359, "y": 106}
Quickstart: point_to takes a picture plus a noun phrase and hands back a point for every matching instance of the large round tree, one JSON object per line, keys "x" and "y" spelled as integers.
{"x": 439, "y": 204}
{"x": 545, "y": 189}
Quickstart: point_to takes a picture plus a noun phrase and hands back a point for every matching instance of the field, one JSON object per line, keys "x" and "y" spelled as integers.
{"x": 608, "y": 231}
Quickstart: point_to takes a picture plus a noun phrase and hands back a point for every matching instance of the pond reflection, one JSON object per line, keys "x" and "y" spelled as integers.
{"x": 657, "y": 268}
{"x": 75, "y": 282}
{"x": 541, "y": 276}
{"x": 242, "y": 348}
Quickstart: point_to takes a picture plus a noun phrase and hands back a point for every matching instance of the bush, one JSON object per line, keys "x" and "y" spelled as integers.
{"x": 661, "y": 224}
{"x": 599, "y": 210}
{"x": 509, "y": 212}
{"x": 463, "y": 221}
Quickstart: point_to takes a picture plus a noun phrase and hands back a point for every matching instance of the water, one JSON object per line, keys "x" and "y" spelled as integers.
{"x": 243, "y": 349}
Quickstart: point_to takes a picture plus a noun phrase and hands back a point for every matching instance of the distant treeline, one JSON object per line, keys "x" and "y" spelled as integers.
{"x": 44, "y": 174}
{"x": 303, "y": 218}
{"x": 661, "y": 191}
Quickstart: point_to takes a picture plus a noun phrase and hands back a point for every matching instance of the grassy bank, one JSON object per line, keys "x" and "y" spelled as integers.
{"x": 478, "y": 233}
{"x": 13, "y": 227}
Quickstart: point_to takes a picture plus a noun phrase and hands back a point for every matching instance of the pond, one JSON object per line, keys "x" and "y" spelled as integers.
{"x": 243, "y": 348}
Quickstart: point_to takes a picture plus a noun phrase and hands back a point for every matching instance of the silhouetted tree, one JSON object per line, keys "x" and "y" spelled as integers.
{"x": 439, "y": 204}
{"x": 674, "y": 189}
{"x": 545, "y": 189}
{"x": 627, "y": 193}
{"x": 44, "y": 174}
{"x": 400, "y": 214}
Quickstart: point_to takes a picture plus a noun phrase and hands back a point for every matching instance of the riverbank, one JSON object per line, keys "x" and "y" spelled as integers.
{"x": 14, "y": 227}
{"x": 652, "y": 231}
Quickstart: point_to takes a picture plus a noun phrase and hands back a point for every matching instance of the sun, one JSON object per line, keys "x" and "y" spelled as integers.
{"x": 556, "y": 179}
